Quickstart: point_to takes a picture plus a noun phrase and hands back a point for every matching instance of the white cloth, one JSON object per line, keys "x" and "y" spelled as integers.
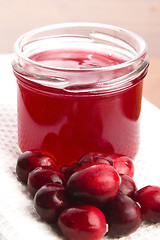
{"x": 18, "y": 219}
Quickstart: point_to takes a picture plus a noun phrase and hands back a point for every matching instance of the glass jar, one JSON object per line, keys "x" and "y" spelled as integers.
{"x": 79, "y": 89}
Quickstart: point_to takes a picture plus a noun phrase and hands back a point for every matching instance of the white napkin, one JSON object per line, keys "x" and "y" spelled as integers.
{"x": 18, "y": 219}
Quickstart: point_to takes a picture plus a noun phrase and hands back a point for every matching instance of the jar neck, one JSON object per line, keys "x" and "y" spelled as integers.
{"x": 35, "y": 64}
{"x": 101, "y": 80}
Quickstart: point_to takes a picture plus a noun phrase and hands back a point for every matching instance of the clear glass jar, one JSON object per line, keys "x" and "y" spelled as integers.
{"x": 79, "y": 89}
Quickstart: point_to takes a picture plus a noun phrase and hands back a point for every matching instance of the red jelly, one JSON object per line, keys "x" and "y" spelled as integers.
{"x": 79, "y": 90}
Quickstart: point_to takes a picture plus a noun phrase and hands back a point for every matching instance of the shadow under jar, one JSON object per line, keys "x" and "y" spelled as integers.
{"x": 79, "y": 89}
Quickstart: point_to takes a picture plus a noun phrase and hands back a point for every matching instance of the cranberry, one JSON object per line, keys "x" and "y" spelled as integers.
{"x": 83, "y": 222}
{"x": 50, "y": 200}
{"x": 123, "y": 164}
{"x": 127, "y": 186}
{"x": 123, "y": 216}
{"x": 94, "y": 157}
{"x": 67, "y": 170}
{"x": 149, "y": 199}
{"x": 39, "y": 177}
{"x": 32, "y": 159}
{"x": 96, "y": 183}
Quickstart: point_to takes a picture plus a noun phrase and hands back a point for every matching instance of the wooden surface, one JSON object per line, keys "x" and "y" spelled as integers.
{"x": 140, "y": 16}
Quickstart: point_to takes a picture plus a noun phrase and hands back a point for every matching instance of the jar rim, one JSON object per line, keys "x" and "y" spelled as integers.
{"x": 20, "y": 54}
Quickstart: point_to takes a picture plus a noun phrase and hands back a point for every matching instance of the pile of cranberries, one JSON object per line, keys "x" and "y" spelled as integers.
{"x": 89, "y": 198}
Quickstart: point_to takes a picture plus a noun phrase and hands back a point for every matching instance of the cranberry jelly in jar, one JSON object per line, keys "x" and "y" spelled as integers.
{"x": 79, "y": 89}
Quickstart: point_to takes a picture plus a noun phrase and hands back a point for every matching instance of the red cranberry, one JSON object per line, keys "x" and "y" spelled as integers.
{"x": 94, "y": 157}
{"x": 39, "y": 177}
{"x": 83, "y": 222}
{"x": 127, "y": 186}
{"x": 50, "y": 200}
{"x": 123, "y": 216}
{"x": 32, "y": 159}
{"x": 149, "y": 199}
{"x": 123, "y": 164}
{"x": 115, "y": 155}
{"x": 96, "y": 183}
{"x": 67, "y": 170}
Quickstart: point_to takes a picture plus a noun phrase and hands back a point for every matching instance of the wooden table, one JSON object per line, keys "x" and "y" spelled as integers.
{"x": 140, "y": 16}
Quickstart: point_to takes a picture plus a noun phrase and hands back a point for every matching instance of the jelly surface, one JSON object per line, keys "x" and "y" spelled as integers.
{"x": 70, "y": 125}
{"x": 79, "y": 59}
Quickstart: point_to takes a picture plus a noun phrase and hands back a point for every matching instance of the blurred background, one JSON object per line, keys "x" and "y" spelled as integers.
{"x": 140, "y": 16}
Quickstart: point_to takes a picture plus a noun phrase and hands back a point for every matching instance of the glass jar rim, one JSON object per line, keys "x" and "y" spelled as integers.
{"x": 18, "y": 47}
